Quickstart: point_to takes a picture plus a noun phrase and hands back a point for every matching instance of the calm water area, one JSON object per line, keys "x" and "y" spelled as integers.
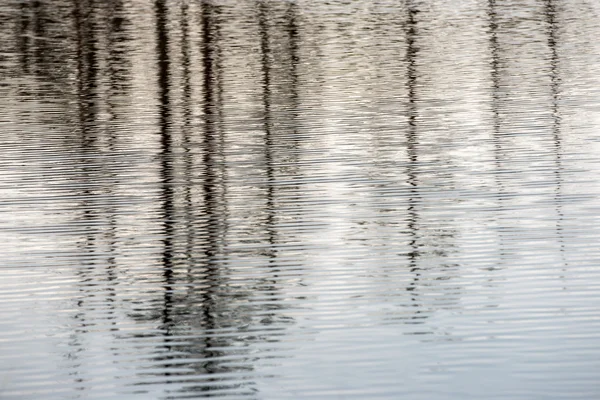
{"x": 300, "y": 199}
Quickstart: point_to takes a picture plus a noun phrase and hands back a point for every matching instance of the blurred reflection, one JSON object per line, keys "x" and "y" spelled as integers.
{"x": 215, "y": 179}
{"x": 193, "y": 253}
{"x": 429, "y": 236}
{"x": 496, "y": 115}
{"x": 512, "y": 126}
{"x": 551, "y": 15}
{"x": 412, "y": 143}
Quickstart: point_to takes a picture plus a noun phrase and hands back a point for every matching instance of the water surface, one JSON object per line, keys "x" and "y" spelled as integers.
{"x": 298, "y": 199}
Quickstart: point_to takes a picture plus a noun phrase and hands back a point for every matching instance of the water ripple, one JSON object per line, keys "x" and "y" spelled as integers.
{"x": 270, "y": 200}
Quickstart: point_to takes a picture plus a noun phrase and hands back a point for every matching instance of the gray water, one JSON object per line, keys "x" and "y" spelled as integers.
{"x": 300, "y": 199}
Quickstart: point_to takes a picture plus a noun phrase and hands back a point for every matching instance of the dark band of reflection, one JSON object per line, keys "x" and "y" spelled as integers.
{"x": 551, "y": 13}
{"x": 97, "y": 136}
{"x": 194, "y": 252}
{"x": 45, "y": 32}
{"x": 197, "y": 261}
{"x": 267, "y": 121}
{"x": 427, "y": 239}
{"x": 496, "y": 118}
{"x": 187, "y": 132}
{"x": 166, "y": 141}
{"x": 86, "y": 70}
{"x": 280, "y": 104}
{"x": 500, "y": 151}
{"x": 495, "y": 65}
{"x": 268, "y": 130}
{"x": 412, "y": 143}
{"x": 213, "y": 195}
{"x": 95, "y": 65}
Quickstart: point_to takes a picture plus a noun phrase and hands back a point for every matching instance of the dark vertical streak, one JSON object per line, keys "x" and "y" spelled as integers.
{"x": 211, "y": 149}
{"x": 86, "y": 120}
{"x": 294, "y": 39}
{"x": 495, "y": 63}
{"x": 412, "y": 142}
{"x": 292, "y": 141}
{"x": 164, "y": 112}
{"x": 86, "y": 70}
{"x": 86, "y": 91}
{"x": 292, "y": 28}
{"x": 495, "y": 74}
{"x": 210, "y": 133}
{"x": 186, "y": 142}
{"x": 267, "y": 121}
{"x": 550, "y": 13}
{"x": 267, "y": 60}
{"x": 495, "y": 106}
{"x": 116, "y": 64}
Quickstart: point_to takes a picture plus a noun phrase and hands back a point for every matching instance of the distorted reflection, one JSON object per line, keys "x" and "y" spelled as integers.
{"x": 269, "y": 199}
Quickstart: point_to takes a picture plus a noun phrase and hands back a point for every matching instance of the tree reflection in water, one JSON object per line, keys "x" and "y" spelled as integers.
{"x": 221, "y": 178}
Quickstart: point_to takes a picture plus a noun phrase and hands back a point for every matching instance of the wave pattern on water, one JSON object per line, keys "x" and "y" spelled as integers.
{"x": 297, "y": 199}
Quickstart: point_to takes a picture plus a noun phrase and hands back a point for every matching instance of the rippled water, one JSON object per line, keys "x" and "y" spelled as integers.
{"x": 299, "y": 199}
